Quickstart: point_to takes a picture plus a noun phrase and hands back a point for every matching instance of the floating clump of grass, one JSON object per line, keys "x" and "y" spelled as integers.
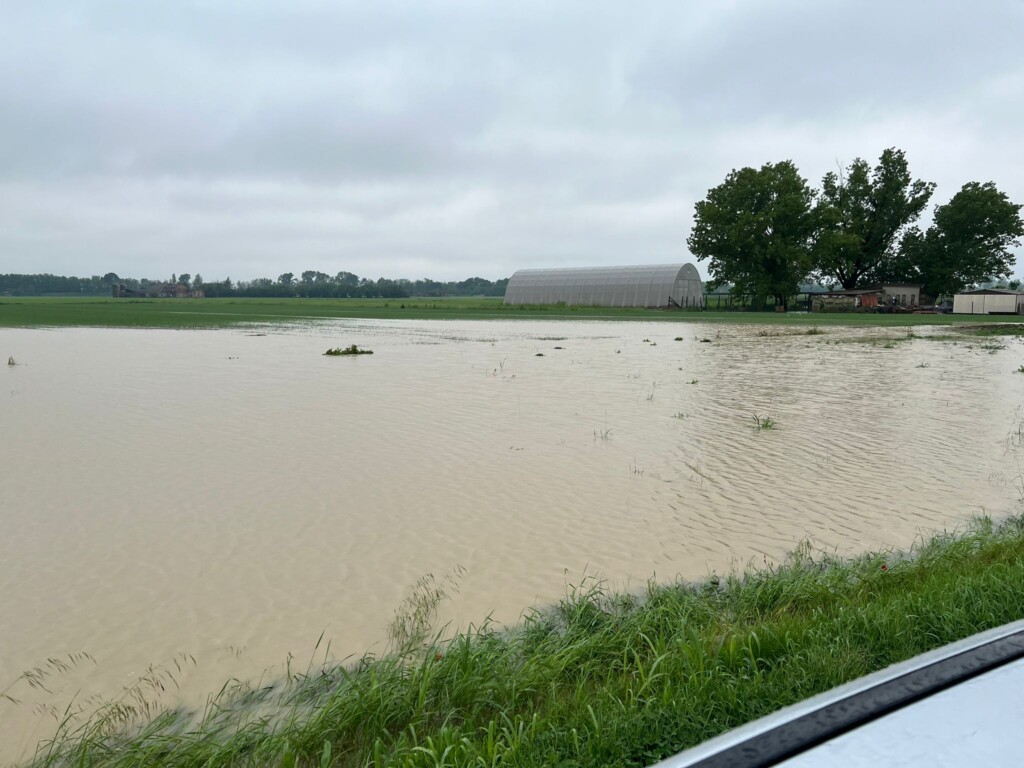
{"x": 763, "y": 422}
{"x": 352, "y": 350}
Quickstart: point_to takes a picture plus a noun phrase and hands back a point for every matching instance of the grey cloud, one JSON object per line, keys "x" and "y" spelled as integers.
{"x": 449, "y": 138}
{"x": 831, "y": 61}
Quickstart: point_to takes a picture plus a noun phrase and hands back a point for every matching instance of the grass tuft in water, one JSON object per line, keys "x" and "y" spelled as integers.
{"x": 352, "y": 350}
{"x": 763, "y": 422}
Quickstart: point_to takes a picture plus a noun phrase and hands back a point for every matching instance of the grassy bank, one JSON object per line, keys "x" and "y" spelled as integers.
{"x": 601, "y": 679}
{"x": 218, "y": 313}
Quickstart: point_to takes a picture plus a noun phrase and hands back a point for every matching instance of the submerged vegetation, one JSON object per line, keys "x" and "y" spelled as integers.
{"x": 599, "y": 679}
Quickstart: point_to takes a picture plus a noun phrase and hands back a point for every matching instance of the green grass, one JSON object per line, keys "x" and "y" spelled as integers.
{"x": 217, "y": 313}
{"x": 352, "y": 350}
{"x": 600, "y": 679}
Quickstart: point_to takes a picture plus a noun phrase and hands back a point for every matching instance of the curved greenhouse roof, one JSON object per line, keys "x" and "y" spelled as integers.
{"x": 643, "y": 286}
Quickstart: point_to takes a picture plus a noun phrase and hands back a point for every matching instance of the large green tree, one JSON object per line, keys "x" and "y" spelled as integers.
{"x": 756, "y": 229}
{"x": 969, "y": 241}
{"x": 862, "y": 214}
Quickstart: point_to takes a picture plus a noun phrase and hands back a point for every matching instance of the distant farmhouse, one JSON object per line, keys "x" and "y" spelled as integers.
{"x": 156, "y": 291}
{"x": 660, "y": 285}
{"x": 989, "y": 301}
{"x": 904, "y": 295}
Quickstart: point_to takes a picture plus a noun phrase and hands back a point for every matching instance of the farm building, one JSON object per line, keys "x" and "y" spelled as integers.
{"x": 156, "y": 291}
{"x": 989, "y": 301}
{"x": 887, "y": 295}
{"x": 845, "y": 301}
{"x": 660, "y": 285}
{"x": 901, "y": 294}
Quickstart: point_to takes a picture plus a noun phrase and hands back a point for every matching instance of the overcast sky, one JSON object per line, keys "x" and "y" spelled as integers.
{"x": 450, "y": 139}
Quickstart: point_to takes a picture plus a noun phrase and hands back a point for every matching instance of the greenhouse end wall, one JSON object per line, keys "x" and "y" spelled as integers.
{"x": 656, "y": 285}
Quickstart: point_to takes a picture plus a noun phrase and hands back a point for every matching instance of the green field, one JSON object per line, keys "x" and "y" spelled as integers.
{"x": 601, "y": 679}
{"x": 219, "y": 313}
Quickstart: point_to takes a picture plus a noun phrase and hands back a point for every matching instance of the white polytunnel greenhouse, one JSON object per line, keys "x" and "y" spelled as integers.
{"x": 659, "y": 285}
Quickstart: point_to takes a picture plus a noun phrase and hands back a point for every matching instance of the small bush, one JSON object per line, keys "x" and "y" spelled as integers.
{"x": 353, "y": 350}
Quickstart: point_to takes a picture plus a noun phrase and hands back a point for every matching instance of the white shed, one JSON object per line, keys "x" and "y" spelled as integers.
{"x": 642, "y": 286}
{"x": 989, "y": 301}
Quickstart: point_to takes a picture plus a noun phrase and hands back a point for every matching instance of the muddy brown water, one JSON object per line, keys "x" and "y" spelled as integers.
{"x": 233, "y": 494}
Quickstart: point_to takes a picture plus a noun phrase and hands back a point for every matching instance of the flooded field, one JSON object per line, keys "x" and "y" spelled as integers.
{"x": 199, "y": 505}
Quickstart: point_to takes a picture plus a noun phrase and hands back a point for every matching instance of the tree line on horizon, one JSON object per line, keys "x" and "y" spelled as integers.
{"x": 765, "y": 231}
{"x": 309, "y": 284}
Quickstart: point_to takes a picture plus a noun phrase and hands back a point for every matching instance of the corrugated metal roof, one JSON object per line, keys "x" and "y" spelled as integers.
{"x": 649, "y": 285}
{"x": 991, "y": 292}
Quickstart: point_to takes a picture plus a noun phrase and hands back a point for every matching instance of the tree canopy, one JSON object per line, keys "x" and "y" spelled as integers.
{"x": 968, "y": 242}
{"x": 765, "y": 231}
{"x": 862, "y": 215}
{"x": 314, "y": 284}
{"x": 756, "y": 229}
